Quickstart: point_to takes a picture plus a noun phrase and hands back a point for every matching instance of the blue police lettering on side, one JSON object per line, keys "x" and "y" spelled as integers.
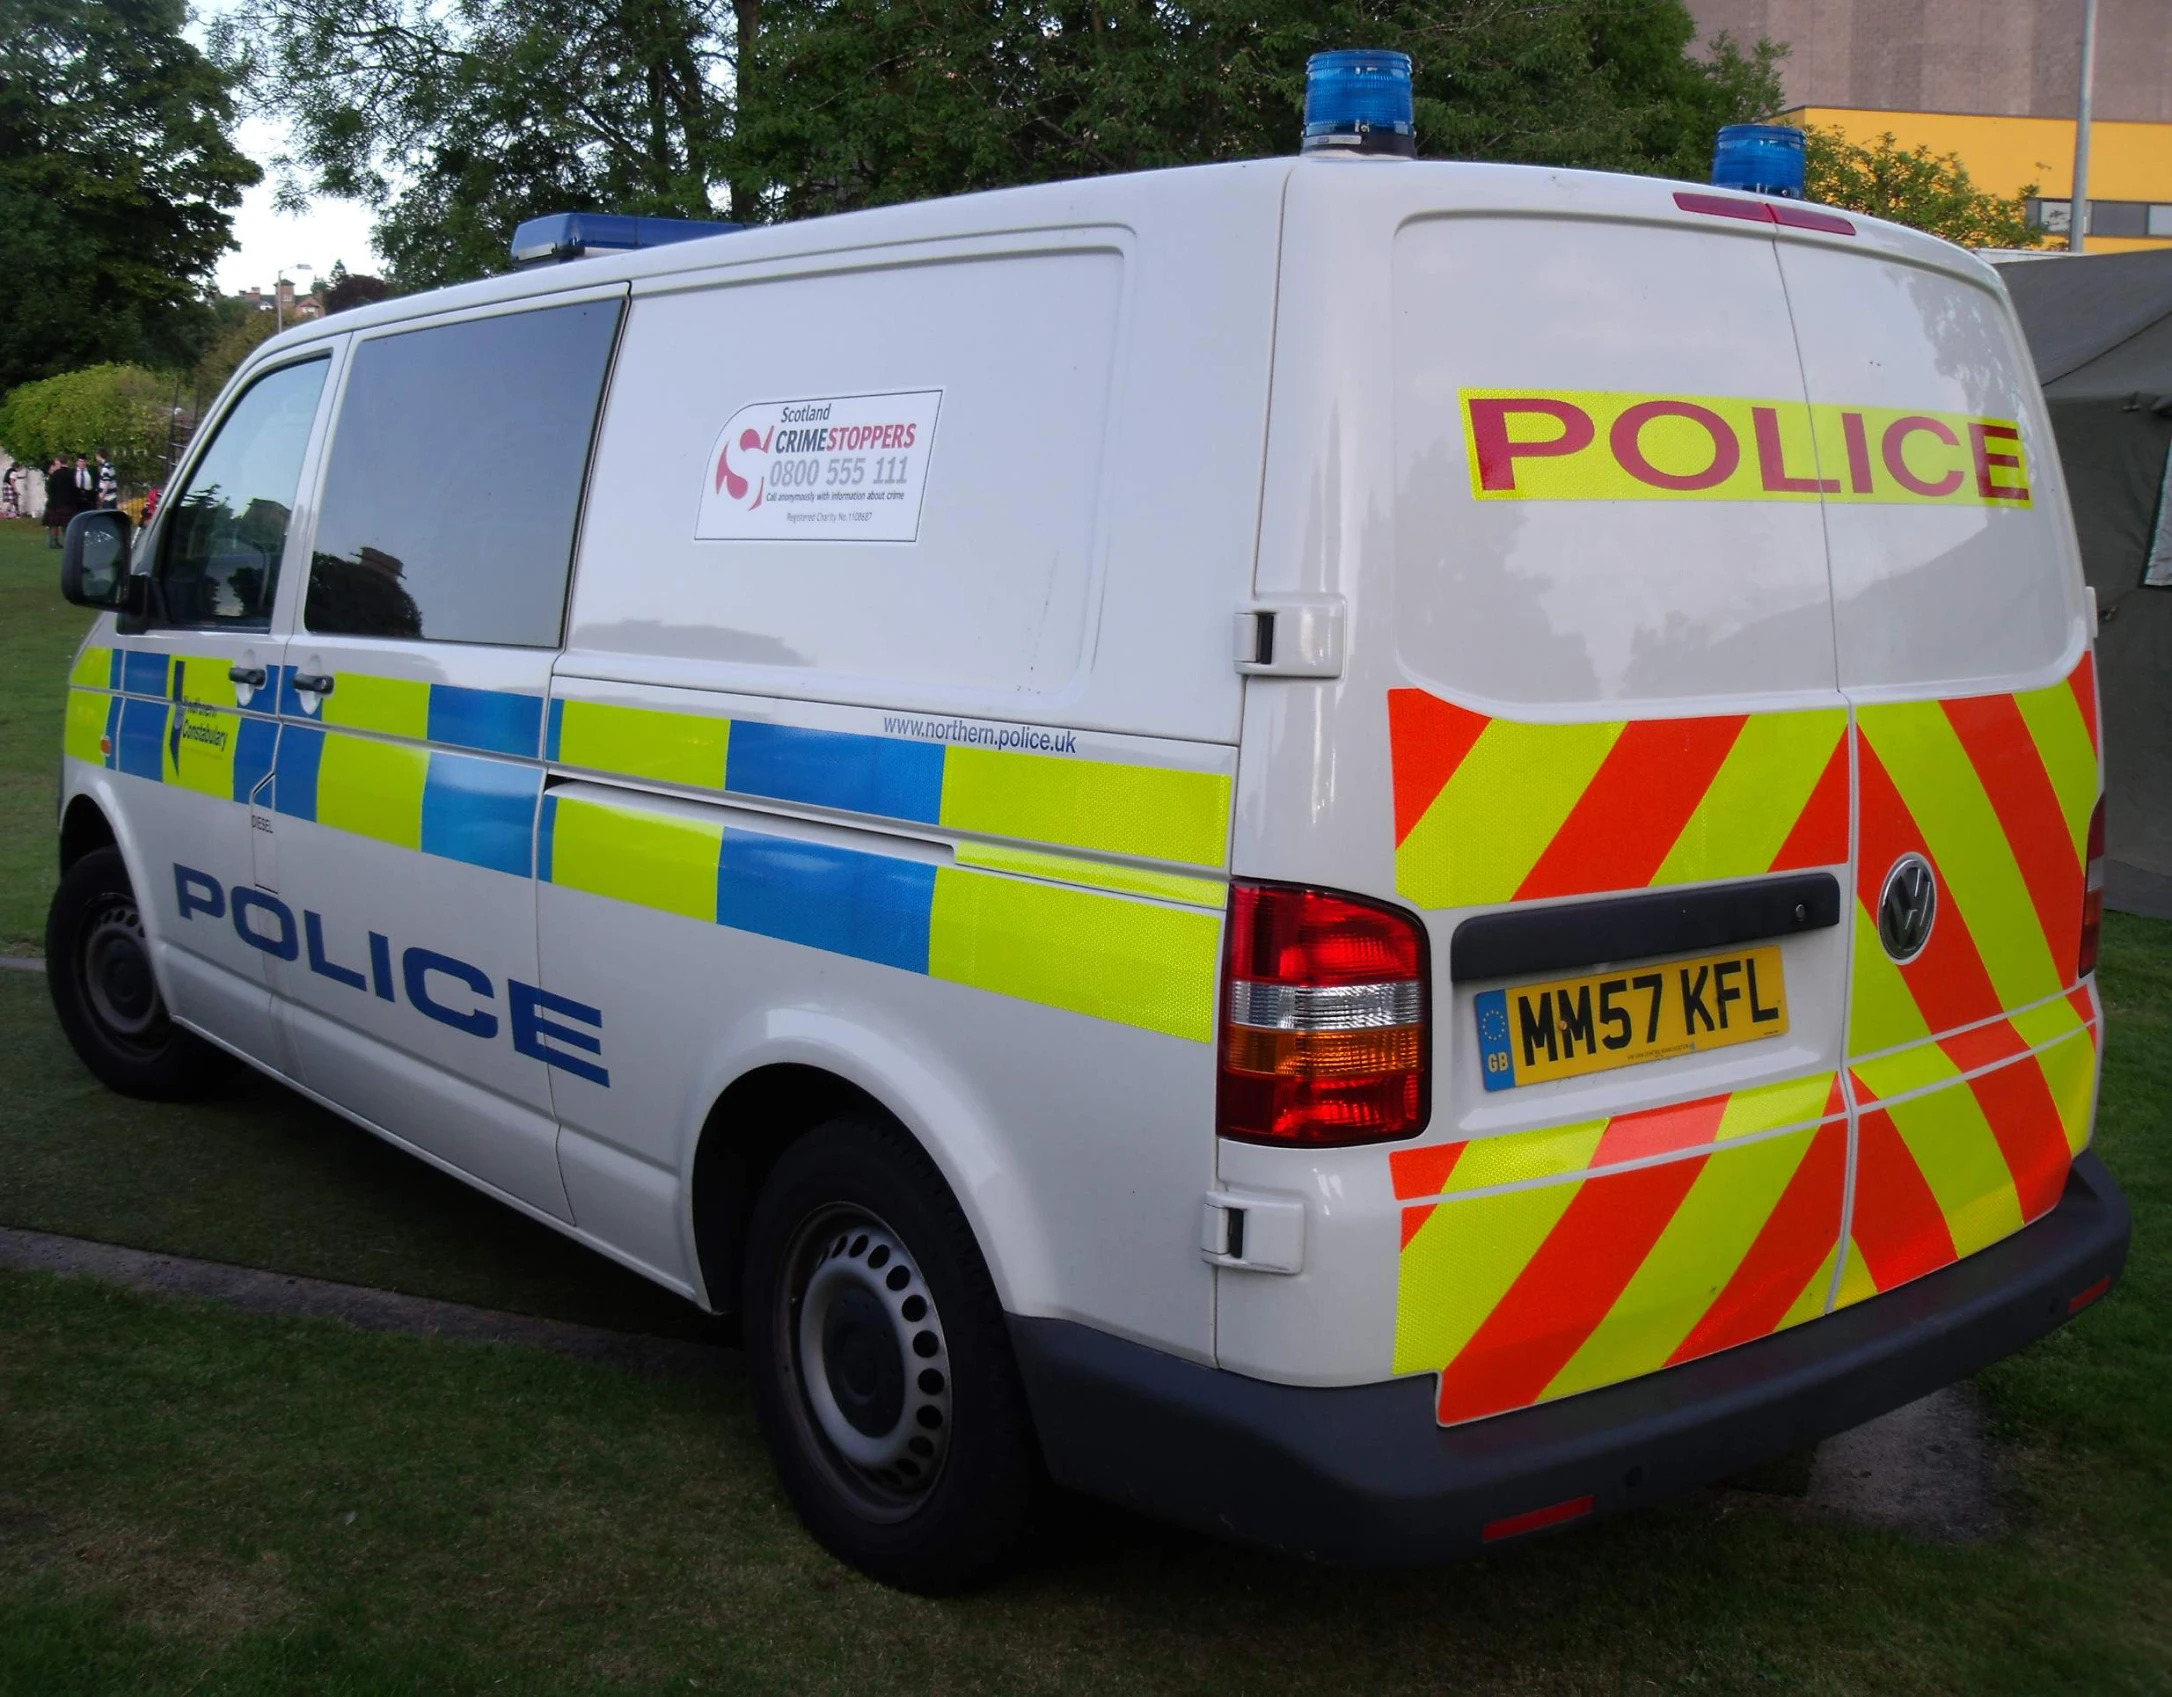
{"x": 533, "y": 1033}
{"x": 320, "y": 963}
{"x": 287, "y": 945}
{"x": 198, "y": 892}
{"x": 417, "y": 964}
{"x": 537, "y": 1017}
{"x": 381, "y": 966}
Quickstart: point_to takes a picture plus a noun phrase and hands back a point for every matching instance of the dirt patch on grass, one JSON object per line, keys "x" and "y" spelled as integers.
{"x": 154, "y": 1582}
{"x": 371, "y": 1310}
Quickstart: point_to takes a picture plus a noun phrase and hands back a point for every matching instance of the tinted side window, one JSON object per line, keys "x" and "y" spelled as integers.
{"x": 226, "y": 531}
{"x": 455, "y": 479}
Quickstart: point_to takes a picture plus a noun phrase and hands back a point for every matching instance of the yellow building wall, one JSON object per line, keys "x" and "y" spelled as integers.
{"x": 2005, "y": 155}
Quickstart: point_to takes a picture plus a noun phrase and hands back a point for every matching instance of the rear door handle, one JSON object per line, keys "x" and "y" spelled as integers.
{"x": 313, "y": 683}
{"x": 249, "y": 677}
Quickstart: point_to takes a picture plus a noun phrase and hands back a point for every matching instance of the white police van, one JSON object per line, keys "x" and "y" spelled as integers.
{"x": 1375, "y": 854}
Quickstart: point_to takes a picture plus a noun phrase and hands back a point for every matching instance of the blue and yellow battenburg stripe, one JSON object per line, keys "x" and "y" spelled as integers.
{"x": 1105, "y": 955}
{"x": 455, "y": 806}
{"x": 1107, "y": 807}
{"x": 490, "y": 721}
{"x": 174, "y": 721}
{"x": 1021, "y": 922}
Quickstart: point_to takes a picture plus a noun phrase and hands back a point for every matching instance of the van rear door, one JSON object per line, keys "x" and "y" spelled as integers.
{"x": 1617, "y": 675}
{"x": 1960, "y": 627}
{"x": 1554, "y": 448}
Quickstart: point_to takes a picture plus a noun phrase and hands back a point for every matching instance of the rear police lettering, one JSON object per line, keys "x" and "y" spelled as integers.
{"x": 1603, "y": 446}
{"x": 438, "y": 986}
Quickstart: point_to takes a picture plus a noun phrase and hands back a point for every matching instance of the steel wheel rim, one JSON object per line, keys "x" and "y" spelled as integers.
{"x": 866, "y": 1362}
{"x": 113, "y": 966}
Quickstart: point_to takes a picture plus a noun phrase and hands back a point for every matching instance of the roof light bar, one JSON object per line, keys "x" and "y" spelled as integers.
{"x": 1759, "y": 158}
{"x": 1358, "y": 98}
{"x": 559, "y": 236}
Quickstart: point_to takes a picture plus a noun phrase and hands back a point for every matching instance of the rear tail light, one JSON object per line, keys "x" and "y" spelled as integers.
{"x": 1324, "y": 1028}
{"x": 2093, "y": 894}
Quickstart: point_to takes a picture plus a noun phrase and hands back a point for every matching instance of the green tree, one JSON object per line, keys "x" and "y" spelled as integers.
{"x": 117, "y": 183}
{"x": 884, "y": 103}
{"x": 457, "y": 120}
{"x": 241, "y": 328}
{"x": 123, "y": 409}
{"x": 1914, "y": 186}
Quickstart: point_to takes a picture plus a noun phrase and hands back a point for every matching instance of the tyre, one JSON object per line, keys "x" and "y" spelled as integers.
{"x": 882, "y": 1371}
{"x": 98, "y": 969}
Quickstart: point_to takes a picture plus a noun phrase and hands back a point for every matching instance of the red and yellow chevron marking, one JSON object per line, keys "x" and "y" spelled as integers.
{"x": 1496, "y": 810}
{"x": 1542, "y": 1263}
{"x": 1965, "y": 1141}
{"x": 1995, "y": 791}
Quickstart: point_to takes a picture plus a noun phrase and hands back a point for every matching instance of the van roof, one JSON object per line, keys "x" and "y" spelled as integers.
{"x": 1434, "y": 186}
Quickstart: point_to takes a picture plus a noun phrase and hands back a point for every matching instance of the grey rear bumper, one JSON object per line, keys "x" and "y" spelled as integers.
{"x": 1364, "y": 1475}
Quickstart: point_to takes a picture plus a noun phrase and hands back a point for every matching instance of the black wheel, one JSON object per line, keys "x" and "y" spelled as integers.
{"x": 882, "y": 1372}
{"x": 98, "y": 968}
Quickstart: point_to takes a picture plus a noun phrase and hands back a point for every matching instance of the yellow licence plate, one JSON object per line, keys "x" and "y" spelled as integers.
{"x": 1616, "y": 1019}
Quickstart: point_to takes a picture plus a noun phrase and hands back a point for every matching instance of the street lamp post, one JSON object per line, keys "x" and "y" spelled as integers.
{"x": 279, "y": 301}
{"x": 2078, "y": 215}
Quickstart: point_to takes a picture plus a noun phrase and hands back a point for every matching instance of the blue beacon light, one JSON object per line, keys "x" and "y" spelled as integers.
{"x": 1357, "y": 99}
{"x": 1760, "y": 159}
{"x": 559, "y": 236}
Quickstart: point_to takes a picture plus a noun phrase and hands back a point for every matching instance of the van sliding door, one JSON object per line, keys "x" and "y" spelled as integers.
{"x": 412, "y": 729}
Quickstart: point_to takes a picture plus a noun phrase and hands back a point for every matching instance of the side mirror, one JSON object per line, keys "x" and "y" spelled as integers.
{"x": 94, "y": 559}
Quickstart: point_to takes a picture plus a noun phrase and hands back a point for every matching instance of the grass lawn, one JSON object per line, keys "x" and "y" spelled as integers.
{"x": 198, "y": 1500}
{"x": 38, "y": 635}
{"x": 263, "y": 1178}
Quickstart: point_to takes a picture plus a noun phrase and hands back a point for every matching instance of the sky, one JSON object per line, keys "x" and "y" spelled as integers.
{"x": 273, "y": 241}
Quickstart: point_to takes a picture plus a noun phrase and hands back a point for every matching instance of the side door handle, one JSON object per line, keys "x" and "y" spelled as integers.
{"x": 249, "y": 677}
{"x": 313, "y": 683}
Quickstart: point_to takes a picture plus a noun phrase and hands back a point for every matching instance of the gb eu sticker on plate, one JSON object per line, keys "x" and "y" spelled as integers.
{"x": 1574, "y": 1026}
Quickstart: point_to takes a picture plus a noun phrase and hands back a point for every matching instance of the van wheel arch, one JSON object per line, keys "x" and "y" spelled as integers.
{"x": 750, "y": 1126}
{"x": 84, "y": 828}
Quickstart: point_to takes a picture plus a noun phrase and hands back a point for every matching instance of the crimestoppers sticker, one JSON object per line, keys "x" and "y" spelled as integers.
{"x": 841, "y": 468}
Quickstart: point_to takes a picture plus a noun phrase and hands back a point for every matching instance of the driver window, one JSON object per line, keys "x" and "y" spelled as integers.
{"x": 224, "y": 535}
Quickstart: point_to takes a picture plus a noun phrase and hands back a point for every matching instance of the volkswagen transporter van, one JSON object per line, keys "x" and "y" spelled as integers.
{"x": 1378, "y": 855}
